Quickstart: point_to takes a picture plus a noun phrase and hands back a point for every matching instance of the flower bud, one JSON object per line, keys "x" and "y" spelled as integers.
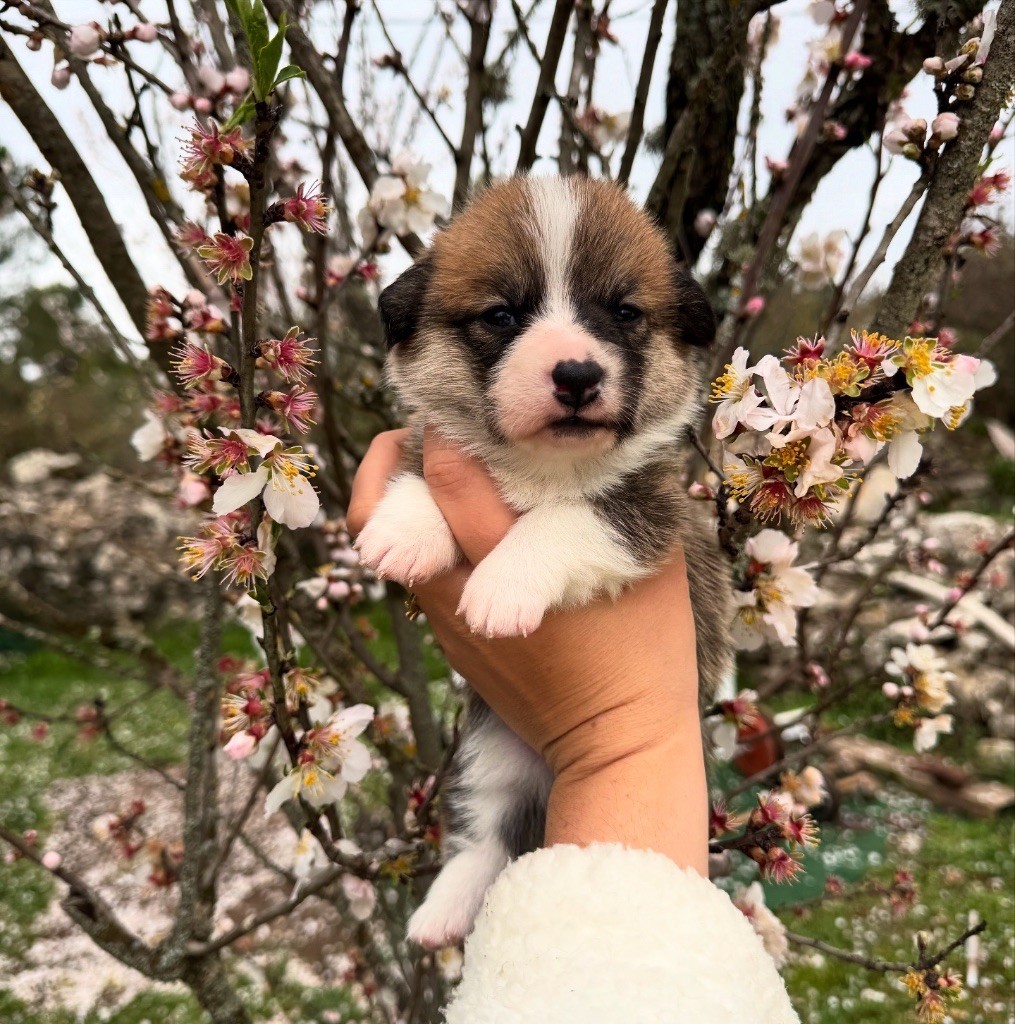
{"x": 202, "y": 105}
{"x": 973, "y": 75}
{"x": 856, "y": 61}
{"x": 146, "y": 32}
{"x": 85, "y": 39}
{"x": 754, "y": 306}
{"x": 916, "y": 131}
{"x": 179, "y": 101}
{"x": 61, "y": 76}
{"x": 945, "y": 127}
{"x": 51, "y": 860}
{"x": 34, "y": 42}
{"x": 997, "y": 133}
{"x": 704, "y": 222}
{"x": 911, "y": 151}
{"x": 934, "y": 66}
{"x": 212, "y": 79}
{"x": 237, "y": 81}
{"x": 965, "y": 92}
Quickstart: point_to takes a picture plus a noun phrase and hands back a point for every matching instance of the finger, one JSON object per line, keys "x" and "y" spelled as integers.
{"x": 467, "y": 496}
{"x": 439, "y": 597}
{"x": 379, "y": 465}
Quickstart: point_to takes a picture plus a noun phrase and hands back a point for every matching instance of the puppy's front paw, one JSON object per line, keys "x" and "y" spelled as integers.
{"x": 499, "y": 603}
{"x": 407, "y": 539}
{"x": 451, "y": 906}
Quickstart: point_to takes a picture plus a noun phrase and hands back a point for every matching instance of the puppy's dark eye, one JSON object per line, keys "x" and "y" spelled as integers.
{"x": 499, "y": 316}
{"x": 627, "y": 314}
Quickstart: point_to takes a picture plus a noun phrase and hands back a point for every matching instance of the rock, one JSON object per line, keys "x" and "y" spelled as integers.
{"x": 974, "y": 690}
{"x": 976, "y": 798}
{"x": 100, "y": 549}
{"x": 958, "y": 533}
{"x": 996, "y": 756}
{"x": 1002, "y": 724}
{"x": 39, "y": 464}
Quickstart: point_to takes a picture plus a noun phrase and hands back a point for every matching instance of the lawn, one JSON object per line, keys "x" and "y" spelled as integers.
{"x": 957, "y": 865}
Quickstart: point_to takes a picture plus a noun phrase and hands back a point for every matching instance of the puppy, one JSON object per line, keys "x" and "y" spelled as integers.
{"x": 549, "y": 332}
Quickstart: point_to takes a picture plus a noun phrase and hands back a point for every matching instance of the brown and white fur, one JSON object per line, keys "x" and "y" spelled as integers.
{"x": 548, "y": 331}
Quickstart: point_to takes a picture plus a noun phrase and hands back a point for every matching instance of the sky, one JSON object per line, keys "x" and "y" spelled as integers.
{"x": 839, "y": 202}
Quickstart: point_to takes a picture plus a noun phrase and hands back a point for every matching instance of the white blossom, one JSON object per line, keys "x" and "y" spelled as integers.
{"x": 819, "y": 258}
{"x": 751, "y": 903}
{"x": 929, "y": 731}
{"x": 289, "y": 497}
{"x": 402, "y": 201}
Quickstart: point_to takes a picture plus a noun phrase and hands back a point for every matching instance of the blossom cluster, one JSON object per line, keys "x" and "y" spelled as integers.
{"x": 778, "y": 830}
{"x": 798, "y": 430}
{"x": 920, "y": 680}
{"x": 400, "y": 202}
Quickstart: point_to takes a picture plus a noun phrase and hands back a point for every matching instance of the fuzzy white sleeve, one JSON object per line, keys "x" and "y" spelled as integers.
{"x": 604, "y": 935}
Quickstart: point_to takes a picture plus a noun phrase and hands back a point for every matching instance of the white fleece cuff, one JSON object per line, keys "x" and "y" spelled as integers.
{"x": 604, "y": 935}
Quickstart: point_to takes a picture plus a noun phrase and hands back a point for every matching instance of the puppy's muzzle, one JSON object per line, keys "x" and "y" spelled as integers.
{"x": 575, "y": 383}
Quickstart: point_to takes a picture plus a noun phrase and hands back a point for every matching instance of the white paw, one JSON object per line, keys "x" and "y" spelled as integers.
{"x": 495, "y": 604}
{"x": 407, "y": 539}
{"x": 449, "y": 911}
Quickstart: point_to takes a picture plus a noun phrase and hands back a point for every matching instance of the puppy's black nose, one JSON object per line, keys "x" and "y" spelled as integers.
{"x": 576, "y": 384}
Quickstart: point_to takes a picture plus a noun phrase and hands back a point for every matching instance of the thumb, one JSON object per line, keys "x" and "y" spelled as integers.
{"x": 466, "y": 495}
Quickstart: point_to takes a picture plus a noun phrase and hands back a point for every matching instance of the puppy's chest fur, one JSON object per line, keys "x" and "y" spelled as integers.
{"x": 621, "y": 531}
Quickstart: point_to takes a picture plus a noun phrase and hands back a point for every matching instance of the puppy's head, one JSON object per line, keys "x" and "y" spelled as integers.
{"x": 549, "y": 318}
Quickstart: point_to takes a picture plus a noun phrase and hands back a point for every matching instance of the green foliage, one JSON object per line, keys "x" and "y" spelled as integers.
{"x": 265, "y": 49}
{"x": 56, "y": 369}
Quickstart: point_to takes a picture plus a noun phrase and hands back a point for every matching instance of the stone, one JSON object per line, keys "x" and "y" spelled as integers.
{"x": 996, "y": 756}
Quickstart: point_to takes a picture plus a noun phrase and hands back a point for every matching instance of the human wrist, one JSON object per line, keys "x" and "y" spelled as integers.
{"x": 651, "y": 796}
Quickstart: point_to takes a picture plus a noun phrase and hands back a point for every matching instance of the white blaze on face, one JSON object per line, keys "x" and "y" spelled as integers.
{"x": 523, "y": 388}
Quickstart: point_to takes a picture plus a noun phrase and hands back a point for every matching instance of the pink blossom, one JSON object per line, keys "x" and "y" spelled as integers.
{"x": 704, "y": 222}
{"x": 945, "y": 127}
{"x": 211, "y": 78}
{"x": 237, "y": 81}
{"x": 228, "y": 257}
{"x": 308, "y": 208}
{"x": 295, "y": 406}
{"x": 245, "y": 565}
{"x": 240, "y": 746}
{"x": 754, "y": 306}
{"x": 195, "y": 364}
{"x": 192, "y": 490}
{"x": 856, "y": 61}
{"x": 51, "y": 860}
{"x": 145, "y": 32}
{"x": 290, "y": 356}
{"x": 191, "y": 235}
{"x": 217, "y": 454}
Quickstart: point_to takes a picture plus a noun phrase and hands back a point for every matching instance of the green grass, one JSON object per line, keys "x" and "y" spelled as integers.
{"x": 963, "y": 865}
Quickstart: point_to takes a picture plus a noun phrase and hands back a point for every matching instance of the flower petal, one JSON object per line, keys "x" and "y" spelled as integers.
{"x": 236, "y": 490}
{"x": 296, "y": 508}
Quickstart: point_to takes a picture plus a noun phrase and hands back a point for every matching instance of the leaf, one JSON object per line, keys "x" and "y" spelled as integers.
{"x": 241, "y": 115}
{"x": 288, "y": 72}
{"x": 267, "y": 61}
{"x": 257, "y": 28}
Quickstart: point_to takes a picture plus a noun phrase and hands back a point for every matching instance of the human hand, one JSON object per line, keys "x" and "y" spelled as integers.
{"x": 606, "y": 693}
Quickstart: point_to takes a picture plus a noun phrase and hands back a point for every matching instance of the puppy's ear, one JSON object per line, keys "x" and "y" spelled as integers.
{"x": 400, "y": 303}
{"x": 695, "y": 319}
